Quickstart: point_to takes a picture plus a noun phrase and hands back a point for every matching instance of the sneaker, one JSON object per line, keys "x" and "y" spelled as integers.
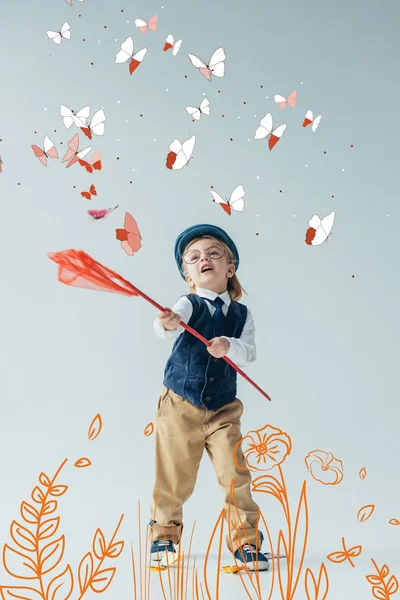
{"x": 160, "y": 548}
{"x": 254, "y": 559}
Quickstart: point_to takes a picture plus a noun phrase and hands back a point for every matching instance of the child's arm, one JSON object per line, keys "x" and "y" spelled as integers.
{"x": 242, "y": 351}
{"x": 184, "y": 309}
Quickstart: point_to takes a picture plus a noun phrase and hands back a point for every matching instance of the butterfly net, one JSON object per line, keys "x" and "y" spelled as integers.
{"x": 78, "y": 269}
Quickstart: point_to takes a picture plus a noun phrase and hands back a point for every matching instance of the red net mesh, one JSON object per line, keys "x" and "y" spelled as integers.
{"x": 78, "y": 269}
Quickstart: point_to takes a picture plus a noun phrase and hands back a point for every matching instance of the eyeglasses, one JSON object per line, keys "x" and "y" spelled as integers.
{"x": 215, "y": 252}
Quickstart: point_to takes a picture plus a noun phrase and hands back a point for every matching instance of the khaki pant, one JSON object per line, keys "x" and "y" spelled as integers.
{"x": 182, "y": 431}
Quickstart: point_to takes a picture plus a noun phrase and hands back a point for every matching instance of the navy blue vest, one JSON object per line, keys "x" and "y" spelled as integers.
{"x": 191, "y": 371}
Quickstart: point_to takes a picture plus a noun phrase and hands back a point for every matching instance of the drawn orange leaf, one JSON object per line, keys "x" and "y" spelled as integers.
{"x": 22, "y": 593}
{"x": 99, "y": 544}
{"x": 17, "y": 563}
{"x": 384, "y": 572}
{"x": 95, "y": 427}
{"x": 394, "y": 522}
{"x": 115, "y": 550}
{"x": 362, "y": 473}
{"x": 48, "y": 528}
{"x": 23, "y": 537}
{"x": 355, "y": 551}
{"x": 29, "y": 513}
{"x": 392, "y": 585}
{"x": 148, "y": 429}
{"x": 337, "y": 557}
{"x": 44, "y": 480}
{"x": 374, "y": 579}
{"x": 102, "y": 580}
{"x": 379, "y": 593}
{"x": 58, "y": 490}
{"x": 49, "y": 507}
{"x": 82, "y": 462}
{"x": 365, "y": 512}
{"x": 52, "y": 554}
{"x": 60, "y": 588}
{"x": 37, "y": 495}
{"x": 85, "y": 572}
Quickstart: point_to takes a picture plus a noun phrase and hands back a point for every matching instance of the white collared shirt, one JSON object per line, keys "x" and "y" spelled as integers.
{"x": 241, "y": 350}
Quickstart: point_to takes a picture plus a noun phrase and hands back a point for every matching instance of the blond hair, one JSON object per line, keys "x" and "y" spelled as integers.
{"x": 235, "y": 290}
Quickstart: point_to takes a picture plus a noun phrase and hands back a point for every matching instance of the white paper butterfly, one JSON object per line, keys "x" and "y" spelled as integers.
{"x": 236, "y": 201}
{"x": 319, "y": 230}
{"x": 170, "y": 44}
{"x": 216, "y": 65}
{"x": 266, "y": 129}
{"x": 70, "y": 117}
{"x": 126, "y": 53}
{"x": 57, "y": 36}
{"x": 180, "y": 154}
{"x": 309, "y": 120}
{"x": 196, "y": 113}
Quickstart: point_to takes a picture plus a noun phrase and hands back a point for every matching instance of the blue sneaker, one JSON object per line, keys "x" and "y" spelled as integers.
{"x": 254, "y": 559}
{"x": 160, "y": 548}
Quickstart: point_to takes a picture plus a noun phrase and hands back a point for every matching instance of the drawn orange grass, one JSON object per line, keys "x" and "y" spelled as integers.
{"x": 34, "y": 562}
{"x": 267, "y": 449}
{"x": 317, "y": 589}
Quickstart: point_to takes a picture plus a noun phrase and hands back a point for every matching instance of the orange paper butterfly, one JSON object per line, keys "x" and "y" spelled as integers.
{"x": 129, "y": 236}
{"x": 90, "y": 193}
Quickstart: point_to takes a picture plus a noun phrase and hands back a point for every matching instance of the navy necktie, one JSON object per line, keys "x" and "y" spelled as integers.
{"x": 218, "y": 316}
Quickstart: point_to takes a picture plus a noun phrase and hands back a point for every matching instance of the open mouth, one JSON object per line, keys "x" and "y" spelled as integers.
{"x": 206, "y": 269}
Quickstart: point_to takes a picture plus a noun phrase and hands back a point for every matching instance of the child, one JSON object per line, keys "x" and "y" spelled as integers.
{"x": 198, "y": 407}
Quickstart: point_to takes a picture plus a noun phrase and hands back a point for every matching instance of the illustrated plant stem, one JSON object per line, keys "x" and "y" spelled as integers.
{"x": 102, "y": 559}
{"x": 38, "y": 527}
{"x": 289, "y": 558}
{"x": 382, "y": 579}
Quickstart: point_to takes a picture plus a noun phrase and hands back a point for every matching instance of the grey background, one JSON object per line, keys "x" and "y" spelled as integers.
{"x": 327, "y": 343}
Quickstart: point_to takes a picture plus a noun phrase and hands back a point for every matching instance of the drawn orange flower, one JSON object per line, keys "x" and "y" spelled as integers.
{"x": 266, "y": 448}
{"x": 324, "y": 467}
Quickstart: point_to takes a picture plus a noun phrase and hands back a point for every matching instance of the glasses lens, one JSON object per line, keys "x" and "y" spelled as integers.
{"x": 191, "y": 257}
{"x": 215, "y": 252}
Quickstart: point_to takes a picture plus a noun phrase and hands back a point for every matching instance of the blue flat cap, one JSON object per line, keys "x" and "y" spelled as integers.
{"x": 196, "y": 231}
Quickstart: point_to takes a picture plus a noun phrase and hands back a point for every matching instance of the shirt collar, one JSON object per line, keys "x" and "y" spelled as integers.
{"x": 203, "y": 293}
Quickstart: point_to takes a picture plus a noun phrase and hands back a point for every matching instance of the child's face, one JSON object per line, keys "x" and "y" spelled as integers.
{"x": 207, "y": 250}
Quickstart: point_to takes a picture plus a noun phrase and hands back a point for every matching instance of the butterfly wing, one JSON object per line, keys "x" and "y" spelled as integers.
{"x": 308, "y": 119}
{"x": 133, "y": 243}
{"x": 67, "y": 116}
{"x": 292, "y": 98}
{"x": 55, "y": 36}
{"x": 188, "y": 147}
{"x": 205, "y": 106}
{"x": 327, "y": 223}
{"x": 217, "y": 62}
{"x": 66, "y": 31}
{"x": 141, "y": 25}
{"x": 38, "y": 152}
{"x": 81, "y": 117}
{"x": 276, "y": 136}
{"x": 97, "y": 123}
{"x": 126, "y": 51}
{"x": 176, "y": 47}
{"x": 194, "y": 112}
{"x": 316, "y": 122}
{"x": 169, "y": 43}
{"x": 49, "y": 148}
{"x": 264, "y": 128}
{"x": 96, "y": 161}
{"x": 136, "y": 60}
{"x": 224, "y": 204}
{"x": 72, "y": 148}
{"x": 198, "y": 63}
{"x": 280, "y": 100}
{"x": 152, "y": 23}
{"x": 236, "y": 200}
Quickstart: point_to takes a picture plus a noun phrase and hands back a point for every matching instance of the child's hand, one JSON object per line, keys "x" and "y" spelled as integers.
{"x": 219, "y": 347}
{"x": 169, "y": 319}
